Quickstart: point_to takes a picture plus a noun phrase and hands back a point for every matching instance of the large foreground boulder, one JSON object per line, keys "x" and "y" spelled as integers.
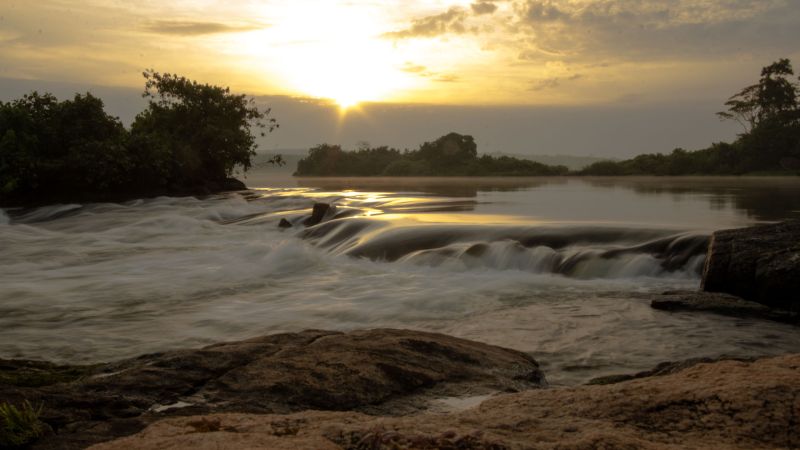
{"x": 759, "y": 263}
{"x": 722, "y": 405}
{"x": 380, "y": 371}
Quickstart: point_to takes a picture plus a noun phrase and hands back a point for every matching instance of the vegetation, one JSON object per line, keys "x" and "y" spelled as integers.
{"x": 19, "y": 426}
{"x": 769, "y": 113}
{"x": 451, "y": 155}
{"x": 191, "y": 137}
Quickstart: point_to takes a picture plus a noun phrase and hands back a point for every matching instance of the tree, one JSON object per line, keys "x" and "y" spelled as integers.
{"x": 64, "y": 147}
{"x": 773, "y": 98}
{"x": 448, "y": 151}
{"x": 204, "y": 131}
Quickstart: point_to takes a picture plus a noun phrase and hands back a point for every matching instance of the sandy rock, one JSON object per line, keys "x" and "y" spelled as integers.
{"x": 722, "y": 405}
{"x": 379, "y": 371}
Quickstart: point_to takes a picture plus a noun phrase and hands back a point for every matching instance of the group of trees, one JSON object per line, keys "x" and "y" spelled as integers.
{"x": 450, "y": 155}
{"x": 769, "y": 113}
{"x": 190, "y": 137}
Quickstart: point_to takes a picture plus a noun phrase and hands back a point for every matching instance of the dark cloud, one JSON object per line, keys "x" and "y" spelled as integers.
{"x": 543, "y": 11}
{"x": 450, "y": 21}
{"x": 196, "y": 28}
{"x": 553, "y": 82}
{"x": 483, "y": 7}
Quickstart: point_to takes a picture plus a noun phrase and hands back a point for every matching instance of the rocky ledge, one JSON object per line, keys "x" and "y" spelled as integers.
{"x": 727, "y": 404}
{"x": 384, "y": 371}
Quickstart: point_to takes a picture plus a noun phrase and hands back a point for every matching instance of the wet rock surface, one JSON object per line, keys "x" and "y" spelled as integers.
{"x": 318, "y": 213}
{"x": 726, "y": 404}
{"x": 758, "y": 263}
{"x": 719, "y": 303}
{"x": 374, "y": 371}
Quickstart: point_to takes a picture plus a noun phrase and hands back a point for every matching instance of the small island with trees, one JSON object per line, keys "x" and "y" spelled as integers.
{"x": 189, "y": 140}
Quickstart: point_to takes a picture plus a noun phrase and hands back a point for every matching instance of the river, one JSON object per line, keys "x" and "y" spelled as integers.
{"x": 561, "y": 268}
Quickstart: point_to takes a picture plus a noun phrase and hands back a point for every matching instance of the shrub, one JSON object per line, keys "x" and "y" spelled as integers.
{"x": 19, "y": 426}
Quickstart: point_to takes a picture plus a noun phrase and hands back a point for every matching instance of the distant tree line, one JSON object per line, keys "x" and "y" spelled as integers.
{"x": 450, "y": 155}
{"x": 189, "y": 139}
{"x": 769, "y": 112}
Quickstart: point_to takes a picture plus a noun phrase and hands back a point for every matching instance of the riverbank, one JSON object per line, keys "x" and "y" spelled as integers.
{"x": 399, "y": 389}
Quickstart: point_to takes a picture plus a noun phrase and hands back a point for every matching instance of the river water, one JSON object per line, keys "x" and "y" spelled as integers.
{"x": 562, "y": 268}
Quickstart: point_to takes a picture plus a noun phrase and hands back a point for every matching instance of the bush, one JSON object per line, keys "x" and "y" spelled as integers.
{"x": 19, "y": 426}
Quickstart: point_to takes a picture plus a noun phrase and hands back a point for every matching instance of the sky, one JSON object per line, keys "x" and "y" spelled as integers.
{"x": 584, "y": 77}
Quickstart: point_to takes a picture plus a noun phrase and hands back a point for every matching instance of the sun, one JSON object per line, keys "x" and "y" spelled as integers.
{"x": 337, "y": 53}
{"x": 347, "y": 102}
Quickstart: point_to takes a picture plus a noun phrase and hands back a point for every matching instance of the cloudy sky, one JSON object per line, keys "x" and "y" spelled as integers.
{"x": 602, "y": 77}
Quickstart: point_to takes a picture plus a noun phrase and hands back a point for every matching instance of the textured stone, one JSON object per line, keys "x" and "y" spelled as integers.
{"x": 758, "y": 263}
{"x": 722, "y": 405}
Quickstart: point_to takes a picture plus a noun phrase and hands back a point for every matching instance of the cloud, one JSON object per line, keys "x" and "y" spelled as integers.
{"x": 196, "y": 28}
{"x": 483, "y": 7}
{"x": 424, "y": 72}
{"x": 450, "y": 21}
{"x": 553, "y": 82}
{"x": 649, "y": 30}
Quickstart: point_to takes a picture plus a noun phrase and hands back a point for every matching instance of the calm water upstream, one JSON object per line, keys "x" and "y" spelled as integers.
{"x": 560, "y": 268}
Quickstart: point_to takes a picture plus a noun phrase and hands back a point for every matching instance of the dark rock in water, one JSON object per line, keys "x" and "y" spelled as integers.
{"x": 759, "y": 263}
{"x": 318, "y": 213}
{"x": 719, "y": 303}
{"x": 284, "y": 223}
{"x": 375, "y": 371}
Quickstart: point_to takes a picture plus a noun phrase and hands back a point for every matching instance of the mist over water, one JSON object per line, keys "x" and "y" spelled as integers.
{"x": 561, "y": 268}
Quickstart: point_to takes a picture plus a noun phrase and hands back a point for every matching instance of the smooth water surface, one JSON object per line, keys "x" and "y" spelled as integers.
{"x": 562, "y": 268}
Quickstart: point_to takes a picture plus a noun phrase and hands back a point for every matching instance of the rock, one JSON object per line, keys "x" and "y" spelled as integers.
{"x": 375, "y": 371}
{"x": 759, "y": 263}
{"x": 284, "y": 223}
{"x": 318, "y": 213}
{"x": 727, "y": 404}
{"x": 719, "y": 303}
{"x": 232, "y": 184}
{"x": 664, "y": 368}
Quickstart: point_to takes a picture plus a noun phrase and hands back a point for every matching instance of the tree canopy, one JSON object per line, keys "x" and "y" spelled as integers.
{"x": 189, "y": 139}
{"x": 450, "y": 155}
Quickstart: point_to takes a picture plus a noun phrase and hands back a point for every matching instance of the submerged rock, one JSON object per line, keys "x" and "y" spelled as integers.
{"x": 719, "y": 303}
{"x": 758, "y": 263}
{"x": 375, "y": 371}
{"x": 284, "y": 223}
{"x": 727, "y": 404}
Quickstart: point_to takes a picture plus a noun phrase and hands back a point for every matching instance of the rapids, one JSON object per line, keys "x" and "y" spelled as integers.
{"x": 561, "y": 269}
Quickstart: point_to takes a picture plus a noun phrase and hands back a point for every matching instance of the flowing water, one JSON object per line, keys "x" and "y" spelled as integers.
{"x": 561, "y": 268}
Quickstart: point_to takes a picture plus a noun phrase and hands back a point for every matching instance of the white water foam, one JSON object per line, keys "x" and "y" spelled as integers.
{"x": 106, "y": 281}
